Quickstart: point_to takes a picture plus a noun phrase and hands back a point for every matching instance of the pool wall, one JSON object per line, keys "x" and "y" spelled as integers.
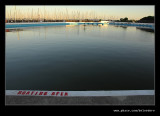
{"x": 18, "y": 25}
{"x": 79, "y": 93}
{"x": 133, "y": 97}
{"x": 148, "y": 25}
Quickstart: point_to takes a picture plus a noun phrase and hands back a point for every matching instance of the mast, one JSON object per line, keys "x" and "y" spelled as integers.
{"x": 7, "y": 16}
{"x": 55, "y": 15}
{"x": 15, "y": 15}
{"x": 28, "y": 15}
{"x": 38, "y": 15}
{"x": 10, "y": 15}
{"x": 66, "y": 14}
{"x": 44, "y": 13}
{"x": 32, "y": 15}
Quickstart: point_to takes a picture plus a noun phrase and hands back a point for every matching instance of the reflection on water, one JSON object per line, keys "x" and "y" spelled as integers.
{"x": 145, "y": 29}
{"x": 68, "y": 28}
{"x": 124, "y": 27}
{"x": 91, "y": 57}
{"x": 121, "y": 26}
{"x": 18, "y": 34}
{"x": 45, "y": 32}
{"x": 14, "y": 30}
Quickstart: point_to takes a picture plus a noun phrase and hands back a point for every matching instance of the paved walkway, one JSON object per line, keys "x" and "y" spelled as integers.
{"x": 108, "y": 100}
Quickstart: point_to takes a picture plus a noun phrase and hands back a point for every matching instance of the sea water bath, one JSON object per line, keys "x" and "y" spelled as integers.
{"x": 79, "y": 58}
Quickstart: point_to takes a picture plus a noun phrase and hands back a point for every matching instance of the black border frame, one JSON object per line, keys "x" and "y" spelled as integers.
{"x": 53, "y": 2}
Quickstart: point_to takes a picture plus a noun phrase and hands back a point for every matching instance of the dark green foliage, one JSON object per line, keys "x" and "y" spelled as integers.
{"x": 148, "y": 19}
{"x": 124, "y": 19}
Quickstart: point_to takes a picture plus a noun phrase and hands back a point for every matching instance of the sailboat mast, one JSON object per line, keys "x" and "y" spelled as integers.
{"x": 44, "y": 13}
{"x": 32, "y": 15}
{"x": 15, "y": 15}
{"x": 38, "y": 15}
{"x": 10, "y": 15}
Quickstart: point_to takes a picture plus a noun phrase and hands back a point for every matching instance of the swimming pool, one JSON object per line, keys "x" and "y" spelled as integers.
{"x": 79, "y": 58}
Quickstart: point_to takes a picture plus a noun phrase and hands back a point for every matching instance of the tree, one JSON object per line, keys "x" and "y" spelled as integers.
{"x": 148, "y": 19}
{"x": 124, "y": 19}
{"x": 121, "y": 19}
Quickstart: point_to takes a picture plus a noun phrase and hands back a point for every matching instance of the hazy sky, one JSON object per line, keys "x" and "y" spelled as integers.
{"x": 119, "y": 11}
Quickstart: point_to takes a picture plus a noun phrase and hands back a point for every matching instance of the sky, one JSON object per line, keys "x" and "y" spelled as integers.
{"x": 117, "y": 11}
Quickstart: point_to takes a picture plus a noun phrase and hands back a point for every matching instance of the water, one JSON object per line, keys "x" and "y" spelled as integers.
{"x": 79, "y": 58}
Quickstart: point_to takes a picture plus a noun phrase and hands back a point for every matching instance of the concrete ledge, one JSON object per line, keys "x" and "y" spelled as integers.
{"x": 107, "y": 100}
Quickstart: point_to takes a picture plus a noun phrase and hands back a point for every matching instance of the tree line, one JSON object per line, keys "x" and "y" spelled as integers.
{"x": 147, "y": 19}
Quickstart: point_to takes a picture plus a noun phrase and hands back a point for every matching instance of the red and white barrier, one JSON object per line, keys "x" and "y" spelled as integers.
{"x": 79, "y": 93}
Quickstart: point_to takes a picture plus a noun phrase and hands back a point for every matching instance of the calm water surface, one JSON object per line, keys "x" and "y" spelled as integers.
{"x": 79, "y": 58}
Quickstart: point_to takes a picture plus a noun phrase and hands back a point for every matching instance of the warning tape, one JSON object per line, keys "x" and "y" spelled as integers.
{"x": 79, "y": 93}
